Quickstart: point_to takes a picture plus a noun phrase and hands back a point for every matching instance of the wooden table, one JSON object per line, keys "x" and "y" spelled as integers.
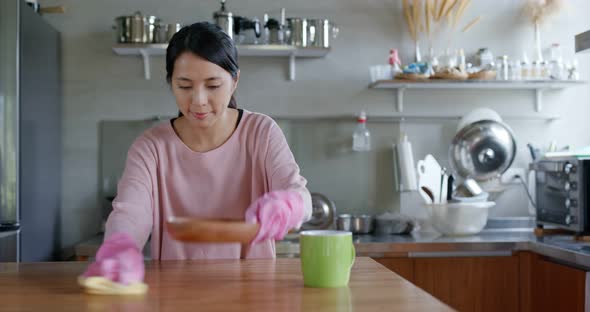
{"x": 216, "y": 285}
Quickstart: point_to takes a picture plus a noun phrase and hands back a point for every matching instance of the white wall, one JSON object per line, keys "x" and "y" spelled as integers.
{"x": 100, "y": 85}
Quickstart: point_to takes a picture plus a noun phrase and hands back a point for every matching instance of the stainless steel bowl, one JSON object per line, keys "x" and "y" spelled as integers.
{"x": 482, "y": 150}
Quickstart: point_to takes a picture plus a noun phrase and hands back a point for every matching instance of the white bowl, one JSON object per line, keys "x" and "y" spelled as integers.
{"x": 456, "y": 219}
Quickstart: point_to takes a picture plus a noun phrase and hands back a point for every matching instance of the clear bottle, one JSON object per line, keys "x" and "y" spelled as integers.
{"x": 502, "y": 70}
{"x": 556, "y": 68}
{"x": 525, "y": 67}
{"x": 361, "y": 138}
{"x": 461, "y": 60}
{"x": 516, "y": 71}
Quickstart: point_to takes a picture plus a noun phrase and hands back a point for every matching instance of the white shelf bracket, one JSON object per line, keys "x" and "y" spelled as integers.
{"x": 146, "y": 63}
{"x": 538, "y": 100}
{"x": 400, "y": 100}
{"x": 292, "y": 67}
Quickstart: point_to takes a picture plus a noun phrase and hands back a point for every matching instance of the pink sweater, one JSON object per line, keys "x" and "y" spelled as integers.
{"x": 163, "y": 177}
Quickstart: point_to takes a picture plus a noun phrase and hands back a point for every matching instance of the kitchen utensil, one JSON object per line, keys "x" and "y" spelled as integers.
{"x": 224, "y": 19}
{"x": 443, "y": 188}
{"x": 344, "y": 223}
{"x": 247, "y": 31}
{"x": 323, "y": 212}
{"x": 429, "y": 173}
{"x": 450, "y": 182}
{"x": 275, "y": 32}
{"x": 296, "y": 33}
{"x": 43, "y": 10}
{"x": 459, "y": 218}
{"x": 427, "y": 194}
{"x": 136, "y": 28}
{"x": 389, "y": 223}
{"x": 482, "y": 150}
{"x": 468, "y": 188}
{"x": 319, "y": 33}
{"x": 362, "y": 224}
{"x": 197, "y": 230}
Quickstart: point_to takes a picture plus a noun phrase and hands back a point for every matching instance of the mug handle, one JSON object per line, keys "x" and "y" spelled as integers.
{"x": 352, "y": 255}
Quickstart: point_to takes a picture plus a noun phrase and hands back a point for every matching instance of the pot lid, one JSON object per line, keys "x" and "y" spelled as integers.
{"x": 482, "y": 150}
{"x": 323, "y": 211}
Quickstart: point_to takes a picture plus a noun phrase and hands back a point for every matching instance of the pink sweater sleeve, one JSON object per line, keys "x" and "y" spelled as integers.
{"x": 283, "y": 171}
{"x": 133, "y": 207}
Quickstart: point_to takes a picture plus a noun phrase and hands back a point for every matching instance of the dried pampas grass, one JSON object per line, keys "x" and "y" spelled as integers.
{"x": 538, "y": 11}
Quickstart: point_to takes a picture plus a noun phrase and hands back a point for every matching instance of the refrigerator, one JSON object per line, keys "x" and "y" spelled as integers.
{"x": 30, "y": 135}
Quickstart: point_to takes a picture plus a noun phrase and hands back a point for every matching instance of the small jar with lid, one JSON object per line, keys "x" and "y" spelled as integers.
{"x": 502, "y": 69}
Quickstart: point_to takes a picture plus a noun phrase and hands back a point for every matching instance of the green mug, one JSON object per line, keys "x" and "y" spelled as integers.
{"x": 326, "y": 258}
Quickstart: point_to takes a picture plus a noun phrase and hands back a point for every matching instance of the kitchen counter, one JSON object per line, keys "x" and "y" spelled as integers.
{"x": 500, "y": 237}
{"x": 430, "y": 244}
{"x": 218, "y": 285}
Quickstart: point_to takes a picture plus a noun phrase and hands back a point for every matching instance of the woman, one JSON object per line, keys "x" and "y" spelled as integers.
{"x": 213, "y": 161}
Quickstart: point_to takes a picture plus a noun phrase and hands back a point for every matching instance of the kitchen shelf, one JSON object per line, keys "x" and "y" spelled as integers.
{"x": 538, "y": 86}
{"x": 264, "y": 50}
{"x": 407, "y": 117}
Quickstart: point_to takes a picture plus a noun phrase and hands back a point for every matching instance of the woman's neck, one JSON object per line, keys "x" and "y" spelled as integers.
{"x": 207, "y": 139}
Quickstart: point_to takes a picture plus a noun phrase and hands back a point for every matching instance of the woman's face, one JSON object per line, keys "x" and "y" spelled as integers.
{"x": 202, "y": 89}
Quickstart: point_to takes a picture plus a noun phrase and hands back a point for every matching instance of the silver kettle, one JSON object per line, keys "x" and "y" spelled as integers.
{"x": 225, "y": 20}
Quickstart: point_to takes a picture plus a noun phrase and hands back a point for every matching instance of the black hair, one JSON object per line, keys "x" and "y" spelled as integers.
{"x": 209, "y": 42}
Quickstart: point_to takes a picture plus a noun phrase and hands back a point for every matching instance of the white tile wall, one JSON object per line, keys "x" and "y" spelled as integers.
{"x": 99, "y": 85}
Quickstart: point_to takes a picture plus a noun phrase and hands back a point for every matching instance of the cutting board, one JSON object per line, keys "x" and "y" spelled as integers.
{"x": 429, "y": 175}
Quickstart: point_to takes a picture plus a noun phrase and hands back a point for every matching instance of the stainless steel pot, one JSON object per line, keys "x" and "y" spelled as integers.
{"x": 363, "y": 224}
{"x": 136, "y": 28}
{"x": 166, "y": 31}
{"x": 296, "y": 33}
{"x": 482, "y": 150}
{"x": 344, "y": 222}
{"x": 319, "y": 33}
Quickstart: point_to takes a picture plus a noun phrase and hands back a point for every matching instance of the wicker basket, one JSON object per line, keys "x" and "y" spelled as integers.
{"x": 412, "y": 76}
{"x": 483, "y": 75}
{"x": 451, "y": 76}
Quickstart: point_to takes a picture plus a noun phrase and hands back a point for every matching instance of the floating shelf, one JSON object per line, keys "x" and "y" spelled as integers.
{"x": 538, "y": 86}
{"x": 268, "y": 50}
{"x": 407, "y": 117}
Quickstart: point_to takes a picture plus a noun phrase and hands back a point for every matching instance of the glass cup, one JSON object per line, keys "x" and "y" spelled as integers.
{"x": 326, "y": 258}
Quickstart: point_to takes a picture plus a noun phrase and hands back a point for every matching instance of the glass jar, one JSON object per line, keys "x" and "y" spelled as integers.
{"x": 516, "y": 71}
{"x": 502, "y": 70}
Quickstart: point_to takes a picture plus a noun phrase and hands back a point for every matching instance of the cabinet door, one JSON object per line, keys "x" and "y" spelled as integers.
{"x": 471, "y": 283}
{"x": 404, "y": 267}
{"x": 557, "y": 287}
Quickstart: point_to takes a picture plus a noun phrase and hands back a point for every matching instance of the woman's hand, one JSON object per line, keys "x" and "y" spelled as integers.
{"x": 118, "y": 259}
{"x": 277, "y": 212}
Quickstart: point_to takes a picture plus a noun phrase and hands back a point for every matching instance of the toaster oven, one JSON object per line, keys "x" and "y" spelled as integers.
{"x": 562, "y": 188}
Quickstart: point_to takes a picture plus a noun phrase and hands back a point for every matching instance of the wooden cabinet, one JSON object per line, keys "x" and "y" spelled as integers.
{"x": 471, "y": 283}
{"x": 523, "y": 282}
{"x": 404, "y": 267}
{"x": 550, "y": 286}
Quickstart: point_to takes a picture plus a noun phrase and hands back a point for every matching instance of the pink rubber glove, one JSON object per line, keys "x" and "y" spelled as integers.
{"x": 119, "y": 260}
{"x": 277, "y": 212}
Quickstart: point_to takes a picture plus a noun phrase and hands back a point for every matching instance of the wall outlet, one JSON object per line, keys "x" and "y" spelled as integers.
{"x": 509, "y": 177}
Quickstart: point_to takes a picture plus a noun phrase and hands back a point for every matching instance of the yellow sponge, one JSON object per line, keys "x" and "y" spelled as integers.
{"x": 97, "y": 285}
